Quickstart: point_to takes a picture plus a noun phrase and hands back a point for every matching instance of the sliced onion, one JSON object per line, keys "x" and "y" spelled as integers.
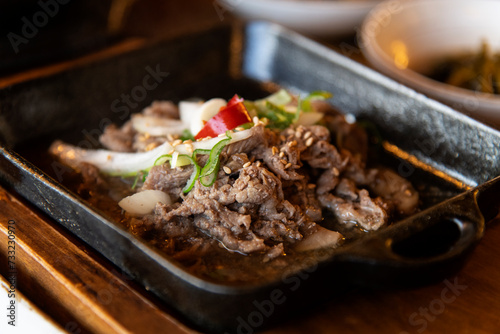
{"x": 157, "y": 126}
{"x": 128, "y": 164}
{"x": 193, "y": 116}
{"x": 108, "y": 162}
{"x": 206, "y": 111}
{"x": 322, "y": 238}
{"x": 144, "y": 202}
{"x": 309, "y": 118}
{"x": 188, "y": 110}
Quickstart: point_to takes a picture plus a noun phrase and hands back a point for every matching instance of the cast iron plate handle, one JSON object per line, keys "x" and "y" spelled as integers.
{"x": 425, "y": 247}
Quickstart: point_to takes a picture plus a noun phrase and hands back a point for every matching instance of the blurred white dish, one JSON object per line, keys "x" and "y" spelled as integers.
{"x": 326, "y": 18}
{"x": 402, "y": 38}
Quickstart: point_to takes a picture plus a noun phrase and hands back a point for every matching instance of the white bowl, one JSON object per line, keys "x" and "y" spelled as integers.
{"x": 402, "y": 38}
{"x": 312, "y": 17}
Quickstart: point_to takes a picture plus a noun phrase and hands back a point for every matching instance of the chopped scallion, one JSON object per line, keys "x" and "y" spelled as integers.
{"x": 208, "y": 173}
{"x": 194, "y": 176}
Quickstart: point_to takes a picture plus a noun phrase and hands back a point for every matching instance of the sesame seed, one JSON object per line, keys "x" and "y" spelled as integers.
{"x": 255, "y": 120}
{"x": 264, "y": 180}
{"x": 171, "y": 152}
{"x": 298, "y": 134}
{"x": 288, "y": 165}
{"x": 257, "y": 163}
{"x": 275, "y": 150}
{"x": 307, "y": 134}
{"x": 311, "y": 186}
{"x": 188, "y": 141}
{"x": 222, "y": 134}
{"x": 227, "y": 170}
{"x": 189, "y": 148}
{"x": 292, "y": 143}
{"x": 170, "y": 137}
{"x": 283, "y": 161}
{"x": 176, "y": 142}
{"x": 309, "y": 142}
{"x": 282, "y": 138}
{"x": 282, "y": 154}
{"x": 336, "y": 171}
{"x": 150, "y": 146}
{"x": 247, "y": 164}
{"x": 239, "y": 128}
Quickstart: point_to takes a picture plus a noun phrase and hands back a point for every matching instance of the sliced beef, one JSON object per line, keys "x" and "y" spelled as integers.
{"x": 322, "y": 154}
{"x": 126, "y": 139}
{"x": 285, "y": 166}
{"x": 92, "y": 177}
{"x": 366, "y": 212}
{"x": 394, "y": 189}
{"x": 118, "y": 139}
{"x": 346, "y": 189}
{"x": 345, "y": 135}
{"x": 164, "y": 109}
{"x": 256, "y": 139}
{"x": 173, "y": 228}
{"x": 262, "y": 218}
{"x": 167, "y": 179}
{"x": 270, "y": 190}
{"x": 327, "y": 181}
{"x": 302, "y": 194}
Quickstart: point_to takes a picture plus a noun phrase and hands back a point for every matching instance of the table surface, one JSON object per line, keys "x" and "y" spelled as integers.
{"x": 82, "y": 292}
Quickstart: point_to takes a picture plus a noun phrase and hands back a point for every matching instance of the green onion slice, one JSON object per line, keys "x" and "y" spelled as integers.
{"x": 194, "y": 175}
{"x": 162, "y": 159}
{"x": 208, "y": 173}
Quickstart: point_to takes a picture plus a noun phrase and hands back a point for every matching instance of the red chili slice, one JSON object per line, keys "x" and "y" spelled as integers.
{"x": 229, "y": 117}
{"x": 234, "y": 100}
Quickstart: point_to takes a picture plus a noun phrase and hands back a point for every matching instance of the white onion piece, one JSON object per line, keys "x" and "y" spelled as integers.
{"x": 206, "y": 111}
{"x": 125, "y": 163}
{"x": 322, "y": 238}
{"x": 193, "y": 116}
{"x": 309, "y": 118}
{"x": 175, "y": 156}
{"x": 188, "y": 110}
{"x": 144, "y": 202}
{"x": 108, "y": 162}
{"x": 157, "y": 126}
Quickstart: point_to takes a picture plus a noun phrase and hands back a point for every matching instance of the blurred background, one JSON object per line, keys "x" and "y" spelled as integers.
{"x": 390, "y": 36}
{"x": 41, "y": 32}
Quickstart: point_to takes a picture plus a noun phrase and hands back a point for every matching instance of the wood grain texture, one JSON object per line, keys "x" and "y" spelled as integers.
{"x": 81, "y": 293}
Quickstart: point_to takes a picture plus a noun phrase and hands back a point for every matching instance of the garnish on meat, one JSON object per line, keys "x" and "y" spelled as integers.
{"x": 250, "y": 176}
